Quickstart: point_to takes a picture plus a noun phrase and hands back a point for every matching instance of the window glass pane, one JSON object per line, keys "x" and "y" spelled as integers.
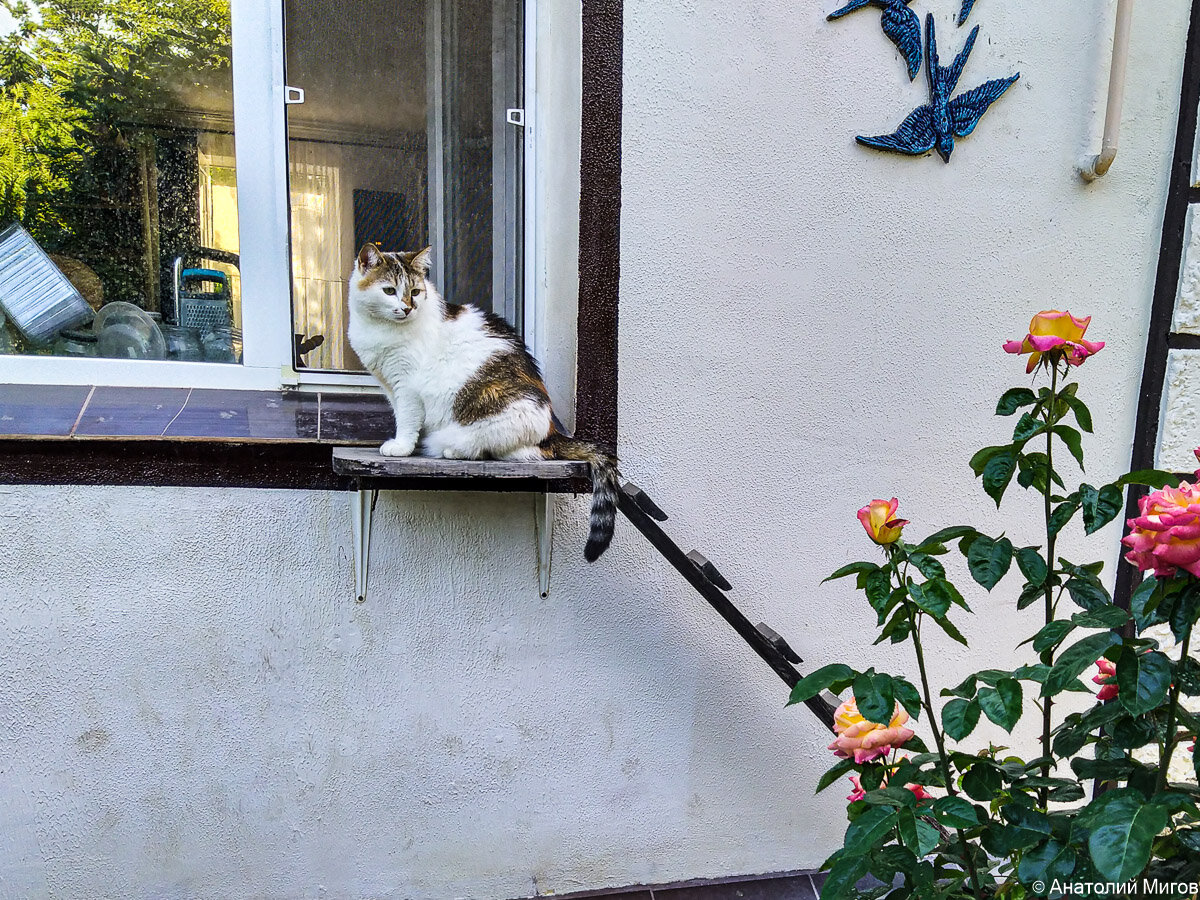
{"x": 118, "y": 201}
{"x": 403, "y": 140}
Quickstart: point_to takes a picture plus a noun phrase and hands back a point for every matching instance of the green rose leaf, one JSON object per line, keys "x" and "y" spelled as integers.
{"x": 1144, "y": 602}
{"x": 1027, "y": 427}
{"x": 1033, "y": 472}
{"x": 959, "y": 717}
{"x": 989, "y": 560}
{"x": 853, "y": 568}
{"x": 935, "y": 603}
{"x": 927, "y": 565}
{"x": 906, "y": 692}
{"x": 1028, "y": 827}
{"x": 875, "y": 695}
{"x": 1050, "y": 862}
{"x": 981, "y": 782}
{"x": 843, "y": 877}
{"x": 981, "y": 458}
{"x": 1052, "y": 634}
{"x": 840, "y": 768}
{"x": 928, "y": 838}
{"x": 1143, "y": 680}
{"x": 946, "y": 591}
{"x": 998, "y": 472}
{"x": 1120, "y": 844}
{"x": 869, "y": 829}
{"x": 947, "y": 626}
{"x": 1030, "y": 593}
{"x": 1002, "y": 704}
{"x": 1101, "y": 617}
{"x": 1152, "y": 478}
{"x": 878, "y": 588}
{"x": 1100, "y": 506}
{"x": 811, "y": 685}
{"x": 1187, "y": 607}
{"x": 1075, "y": 659}
{"x": 1088, "y": 593}
{"x": 945, "y": 535}
{"x": 906, "y": 827}
{"x": 897, "y": 628}
{"x": 955, "y": 812}
{"x": 966, "y": 689}
{"x": 1083, "y": 415}
{"x": 1032, "y": 566}
{"x": 1013, "y": 399}
{"x": 1073, "y": 439}
{"x": 1062, "y": 514}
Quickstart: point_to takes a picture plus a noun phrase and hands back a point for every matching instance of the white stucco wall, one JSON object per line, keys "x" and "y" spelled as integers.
{"x": 191, "y": 705}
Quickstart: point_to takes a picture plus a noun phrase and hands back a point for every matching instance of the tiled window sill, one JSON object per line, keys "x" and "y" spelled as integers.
{"x": 66, "y": 412}
{"x": 55, "y": 434}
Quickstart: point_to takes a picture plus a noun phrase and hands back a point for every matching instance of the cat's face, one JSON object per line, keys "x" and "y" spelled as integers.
{"x": 389, "y": 286}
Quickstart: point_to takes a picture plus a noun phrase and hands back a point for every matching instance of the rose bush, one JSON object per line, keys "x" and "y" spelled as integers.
{"x": 950, "y": 823}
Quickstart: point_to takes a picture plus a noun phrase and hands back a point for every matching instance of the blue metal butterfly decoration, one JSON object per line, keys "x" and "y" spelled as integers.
{"x": 937, "y": 124}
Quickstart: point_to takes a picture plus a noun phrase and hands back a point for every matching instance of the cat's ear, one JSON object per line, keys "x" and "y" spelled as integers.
{"x": 369, "y": 257}
{"x": 420, "y": 262}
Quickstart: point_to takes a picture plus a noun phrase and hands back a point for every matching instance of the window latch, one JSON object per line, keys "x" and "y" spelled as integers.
{"x": 516, "y": 117}
{"x": 293, "y": 95}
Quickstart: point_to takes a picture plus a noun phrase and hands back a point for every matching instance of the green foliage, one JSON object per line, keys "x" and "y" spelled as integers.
{"x": 88, "y": 88}
{"x": 998, "y": 824}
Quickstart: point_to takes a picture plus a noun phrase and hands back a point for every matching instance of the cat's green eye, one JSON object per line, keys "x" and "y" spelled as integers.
{"x": 390, "y": 291}
{"x": 416, "y": 291}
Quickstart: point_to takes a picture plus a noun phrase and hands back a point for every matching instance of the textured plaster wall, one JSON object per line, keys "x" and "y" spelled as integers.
{"x": 1180, "y": 424}
{"x": 192, "y": 706}
{"x": 1187, "y": 301}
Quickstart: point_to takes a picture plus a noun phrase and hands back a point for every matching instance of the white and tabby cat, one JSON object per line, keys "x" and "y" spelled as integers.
{"x": 460, "y": 381}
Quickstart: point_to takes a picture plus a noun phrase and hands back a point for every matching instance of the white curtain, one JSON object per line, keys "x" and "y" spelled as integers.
{"x": 318, "y": 279}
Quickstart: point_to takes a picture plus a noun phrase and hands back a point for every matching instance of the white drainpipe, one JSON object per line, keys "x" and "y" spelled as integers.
{"x": 1099, "y": 165}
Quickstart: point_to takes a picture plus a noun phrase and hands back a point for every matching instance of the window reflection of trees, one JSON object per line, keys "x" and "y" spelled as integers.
{"x": 103, "y": 107}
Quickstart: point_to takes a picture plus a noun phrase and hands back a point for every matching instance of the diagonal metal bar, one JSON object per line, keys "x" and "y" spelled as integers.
{"x": 773, "y": 650}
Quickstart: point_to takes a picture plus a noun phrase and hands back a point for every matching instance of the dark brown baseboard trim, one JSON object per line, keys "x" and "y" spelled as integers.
{"x": 800, "y": 885}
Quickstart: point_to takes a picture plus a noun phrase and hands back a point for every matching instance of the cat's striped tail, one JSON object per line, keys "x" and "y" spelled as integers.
{"x": 606, "y": 481}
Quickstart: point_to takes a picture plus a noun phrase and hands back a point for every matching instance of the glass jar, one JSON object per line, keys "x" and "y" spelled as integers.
{"x": 75, "y": 343}
{"x": 183, "y": 343}
{"x": 218, "y": 345}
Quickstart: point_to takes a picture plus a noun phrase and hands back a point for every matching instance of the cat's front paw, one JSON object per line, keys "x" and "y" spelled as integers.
{"x": 398, "y": 447}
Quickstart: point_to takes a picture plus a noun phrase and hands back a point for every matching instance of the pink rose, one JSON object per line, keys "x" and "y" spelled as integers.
{"x": 879, "y": 519}
{"x": 858, "y": 793}
{"x": 1166, "y": 535}
{"x": 1107, "y": 679}
{"x": 864, "y": 741}
{"x": 1058, "y": 333}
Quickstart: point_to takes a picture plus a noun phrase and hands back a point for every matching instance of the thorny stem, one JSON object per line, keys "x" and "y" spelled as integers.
{"x": 933, "y": 726}
{"x": 1172, "y": 706}
{"x": 1048, "y": 654}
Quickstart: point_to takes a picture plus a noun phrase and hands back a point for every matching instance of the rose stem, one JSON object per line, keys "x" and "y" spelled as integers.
{"x": 1048, "y": 653}
{"x": 1169, "y": 750}
{"x": 937, "y": 734}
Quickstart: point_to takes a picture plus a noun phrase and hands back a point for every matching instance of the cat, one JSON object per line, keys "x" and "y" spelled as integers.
{"x": 460, "y": 381}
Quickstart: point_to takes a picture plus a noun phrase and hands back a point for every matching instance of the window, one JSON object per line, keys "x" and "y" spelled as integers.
{"x": 403, "y": 138}
{"x": 118, "y": 215}
{"x": 173, "y": 215}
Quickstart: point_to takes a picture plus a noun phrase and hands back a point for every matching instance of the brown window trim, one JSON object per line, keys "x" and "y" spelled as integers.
{"x": 230, "y": 461}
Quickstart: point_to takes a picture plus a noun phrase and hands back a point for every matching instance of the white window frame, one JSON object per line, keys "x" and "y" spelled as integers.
{"x": 260, "y": 140}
